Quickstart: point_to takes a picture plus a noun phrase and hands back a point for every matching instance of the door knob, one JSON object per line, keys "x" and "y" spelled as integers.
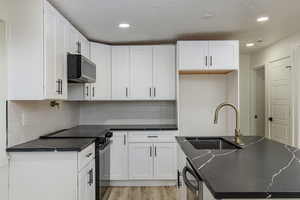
{"x": 270, "y": 119}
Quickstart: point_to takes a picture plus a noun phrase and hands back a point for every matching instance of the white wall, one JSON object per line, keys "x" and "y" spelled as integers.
{"x": 281, "y": 49}
{"x": 245, "y": 94}
{"x": 3, "y": 85}
{"x": 138, "y": 112}
{"x": 199, "y": 96}
{"x": 27, "y": 120}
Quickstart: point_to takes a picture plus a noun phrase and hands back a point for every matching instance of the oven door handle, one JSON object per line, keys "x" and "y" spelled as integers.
{"x": 194, "y": 188}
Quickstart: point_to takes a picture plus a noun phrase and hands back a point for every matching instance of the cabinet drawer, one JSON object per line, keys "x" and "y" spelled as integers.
{"x": 85, "y": 156}
{"x": 152, "y": 136}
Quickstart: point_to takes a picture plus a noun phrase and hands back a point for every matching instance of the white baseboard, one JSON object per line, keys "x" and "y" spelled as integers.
{"x": 144, "y": 183}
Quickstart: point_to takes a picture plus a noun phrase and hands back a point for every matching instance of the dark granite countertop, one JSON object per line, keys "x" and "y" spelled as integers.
{"x": 43, "y": 145}
{"x": 261, "y": 169}
{"x": 99, "y": 131}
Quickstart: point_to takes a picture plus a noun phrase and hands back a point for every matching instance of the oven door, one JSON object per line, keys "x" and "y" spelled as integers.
{"x": 193, "y": 184}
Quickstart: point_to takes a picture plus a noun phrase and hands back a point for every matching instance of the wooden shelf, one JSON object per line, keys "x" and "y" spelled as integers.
{"x": 190, "y": 72}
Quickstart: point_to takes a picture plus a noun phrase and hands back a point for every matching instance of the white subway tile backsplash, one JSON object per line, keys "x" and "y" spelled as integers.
{"x": 137, "y": 112}
{"x": 27, "y": 120}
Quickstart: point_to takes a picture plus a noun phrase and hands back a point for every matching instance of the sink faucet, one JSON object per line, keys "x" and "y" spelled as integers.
{"x": 237, "y": 132}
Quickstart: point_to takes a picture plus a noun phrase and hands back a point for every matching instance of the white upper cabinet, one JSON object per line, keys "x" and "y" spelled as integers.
{"x": 85, "y": 46}
{"x": 141, "y": 72}
{"x": 121, "y": 73}
{"x": 101, "y": 56}
{"x": 224, "y": 54}
{"x": 192, "y": 55}
{"x": 40, "y": 72}
{"x": 208, "y": 55}
{"x": 52, "y": 84}
{"x": 61, "y": 57}
{"x": 164, "y": 72}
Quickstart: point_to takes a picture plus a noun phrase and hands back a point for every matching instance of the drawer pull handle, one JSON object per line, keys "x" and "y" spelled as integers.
{"x": 152, "y": 136}
{"x": 88, "y": 155}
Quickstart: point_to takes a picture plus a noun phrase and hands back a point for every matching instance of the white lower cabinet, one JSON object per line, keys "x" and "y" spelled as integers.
{"x": 119, "y": 156}
{"x": 152, "y": 155}
{"x": 52, "y": 175}
{"x": 152, "y": 161}
{"x": 164, "y": 161}
{"x": 143, "y": 155}
{"x": 86, "y": 182}
{"x": 141, "y": 161}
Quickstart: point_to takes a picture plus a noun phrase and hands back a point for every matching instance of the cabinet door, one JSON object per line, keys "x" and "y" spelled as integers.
{"x": 223, "y": 54}
{"x": 119, "y": 156}
{"x": 86, "y": 182}
{"x": 164, "y": 72}
{"x": 141, "y": 61}
{"x": 87, "y": 91}
{"x": 74, "y": 40}
{"x": 192, "y": 55}
{"x": 66, "y": 51}
{"x": 165, "y": 161}
{"x": 85, "y": 46}
{"x": 140, "y": 161}
{"x": 51, "y": 84}
{"x": 60, "y": 57}
{"x": 101, "y": 56}
{"x": 120, "y": 72}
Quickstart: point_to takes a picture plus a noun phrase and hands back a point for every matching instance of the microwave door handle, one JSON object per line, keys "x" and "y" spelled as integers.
{"x": 187, "y": 182}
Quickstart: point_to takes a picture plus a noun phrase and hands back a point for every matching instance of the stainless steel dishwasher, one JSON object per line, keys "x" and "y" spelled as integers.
{"x": 194, "y": 185}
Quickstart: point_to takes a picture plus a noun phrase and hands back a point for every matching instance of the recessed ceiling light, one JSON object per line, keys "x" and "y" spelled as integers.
{"x": 124, "y": 25}
{"x": 263, "y": 19}
{"x": 249, "y": 44}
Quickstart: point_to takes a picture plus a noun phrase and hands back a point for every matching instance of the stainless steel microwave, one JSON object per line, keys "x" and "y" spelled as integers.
{"x": 80, "y": 69}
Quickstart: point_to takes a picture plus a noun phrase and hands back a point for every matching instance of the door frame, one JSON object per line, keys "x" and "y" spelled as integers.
{"x": 253, "y": 97}
{"x": 292, "y": 98}
{"x": 296, "y": 94}
{"x": 3, "y": 97}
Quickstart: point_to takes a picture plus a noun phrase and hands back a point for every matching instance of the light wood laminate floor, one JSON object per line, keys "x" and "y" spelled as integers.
{"x": 141, "y": 193}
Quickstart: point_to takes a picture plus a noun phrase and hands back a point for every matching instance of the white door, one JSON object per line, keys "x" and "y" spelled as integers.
{"x": 165, "y": 161}
{"x": 86, "y": 182}
{"x": 120, "y": 72}
{"x": 223, "y": 55}
{"x": 279, "y": 101}
{"x": 119, "y": 156}
{"x": 101, "y": 56}
{"x": 164, "y": 72}
{"x": 141, "y": 62}
{"x": 51, "y": 84}
{"x": 141, "y": 161}
{"x": 193, "y": 55}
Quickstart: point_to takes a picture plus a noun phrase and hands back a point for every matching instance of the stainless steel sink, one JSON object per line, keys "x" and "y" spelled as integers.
{"x": 210, "y": 143}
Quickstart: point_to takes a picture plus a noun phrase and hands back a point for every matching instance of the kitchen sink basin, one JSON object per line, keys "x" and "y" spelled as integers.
{"x": 210, "y": 143}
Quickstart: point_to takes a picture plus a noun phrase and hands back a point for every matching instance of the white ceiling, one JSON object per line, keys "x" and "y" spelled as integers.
{"x": 167, "y": 20}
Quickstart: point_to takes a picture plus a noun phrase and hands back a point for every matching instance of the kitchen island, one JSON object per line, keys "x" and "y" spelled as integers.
{"x": 260, "y": 169}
